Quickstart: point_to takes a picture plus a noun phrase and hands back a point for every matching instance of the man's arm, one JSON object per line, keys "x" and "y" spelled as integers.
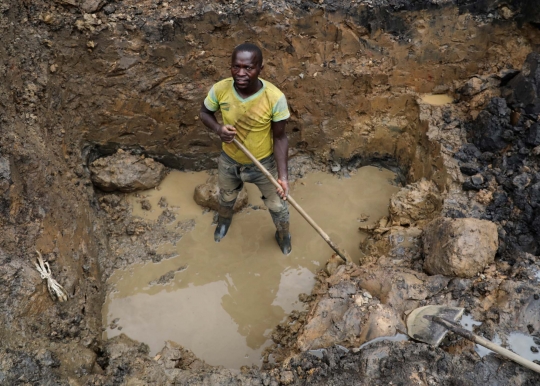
{"x": 225, "y": 132}
{"x": 281, "y": 150}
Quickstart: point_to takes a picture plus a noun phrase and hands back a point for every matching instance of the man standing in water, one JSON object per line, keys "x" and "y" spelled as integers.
{"x": 255, "y": 111}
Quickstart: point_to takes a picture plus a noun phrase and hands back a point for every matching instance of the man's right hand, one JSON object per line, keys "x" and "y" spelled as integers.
{"x": 226, "y": 133}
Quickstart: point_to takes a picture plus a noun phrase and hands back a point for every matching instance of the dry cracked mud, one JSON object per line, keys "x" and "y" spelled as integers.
{"x": 364, "y": 79}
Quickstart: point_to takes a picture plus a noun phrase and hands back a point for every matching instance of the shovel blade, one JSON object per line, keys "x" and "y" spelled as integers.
{"x": 421, "y": 327}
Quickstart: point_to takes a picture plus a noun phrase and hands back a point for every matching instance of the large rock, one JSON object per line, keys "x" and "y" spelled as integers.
{"x": 459, "y": 247}
{"x": 207, "y": 195}
{"x": 126, "y": 172}
{"x": 414, "y": 203}
{"x": 523, "y": 90}
{"x": 489, "y": 127}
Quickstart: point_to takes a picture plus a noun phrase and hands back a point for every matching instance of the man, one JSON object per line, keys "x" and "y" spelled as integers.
{"x": 255, "y": 111}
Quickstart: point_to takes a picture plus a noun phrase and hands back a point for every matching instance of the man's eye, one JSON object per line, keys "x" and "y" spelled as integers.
{"x": 249, "y": 68}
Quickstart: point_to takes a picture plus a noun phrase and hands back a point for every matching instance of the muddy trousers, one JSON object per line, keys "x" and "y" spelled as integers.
{"x": 231, "y": 178}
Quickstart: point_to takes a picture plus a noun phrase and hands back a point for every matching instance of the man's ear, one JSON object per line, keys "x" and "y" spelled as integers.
{"x": 262, "y": 66}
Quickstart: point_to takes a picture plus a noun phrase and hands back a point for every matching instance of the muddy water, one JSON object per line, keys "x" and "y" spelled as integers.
{"x": 223, "y": 299}
{"x": 437, "y": 99}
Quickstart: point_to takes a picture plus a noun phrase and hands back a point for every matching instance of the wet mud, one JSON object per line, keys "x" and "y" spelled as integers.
{"x": 222, "y": 300}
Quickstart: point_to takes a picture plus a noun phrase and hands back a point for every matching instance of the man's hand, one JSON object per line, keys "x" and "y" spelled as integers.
{"x": 226, "y": 133}
{"x": 284, "y": 191}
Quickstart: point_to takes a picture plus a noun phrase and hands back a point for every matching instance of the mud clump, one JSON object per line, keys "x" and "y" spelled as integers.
{"x": 459, "y": 247}
{"x": 417, "y": 202}
{"x": 126, "y": 172}
{"x": 207, "y": 195}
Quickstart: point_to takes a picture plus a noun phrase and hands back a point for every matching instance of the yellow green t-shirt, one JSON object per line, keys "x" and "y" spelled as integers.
{"x": 251, "y": 117}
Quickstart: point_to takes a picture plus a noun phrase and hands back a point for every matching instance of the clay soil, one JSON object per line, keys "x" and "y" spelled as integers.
{"x": 83, "y": 78}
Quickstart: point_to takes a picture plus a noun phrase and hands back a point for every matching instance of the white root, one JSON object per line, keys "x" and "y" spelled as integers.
{"x": 55, "y": 289}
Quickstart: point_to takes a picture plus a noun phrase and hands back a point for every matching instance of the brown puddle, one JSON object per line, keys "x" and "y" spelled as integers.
{"x": 436, "y": 99}
{"x": 225, "y": 298}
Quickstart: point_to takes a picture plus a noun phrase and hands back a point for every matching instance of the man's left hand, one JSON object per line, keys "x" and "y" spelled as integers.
{"x": 284, "y": 191}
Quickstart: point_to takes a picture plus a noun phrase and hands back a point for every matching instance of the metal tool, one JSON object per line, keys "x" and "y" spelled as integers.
{"x": 430, "y": 324}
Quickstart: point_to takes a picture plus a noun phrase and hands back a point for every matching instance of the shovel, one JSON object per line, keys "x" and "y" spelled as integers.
{"x": 430, "y": 324}
{"x": 341, "y": 253}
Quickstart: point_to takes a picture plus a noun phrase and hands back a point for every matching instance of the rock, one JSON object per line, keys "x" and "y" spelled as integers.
{"x": 521, "y": 181}
{"x": 109, "y": 9}
{"x": 477, "y": 180}
{"x": 5, "y": 174}
{"x": 533, "y": 138}
{"x": 473, "y": 86}
{"x": 207, "y": 195}
{"x": 522, "y": 90}
{"x": 484, "y": 197}
{"x": 126, "y": 172}
{"x": 414, "y": 203}
{"x": 145, "y": 205}
{"x": 459, "y": 247}
{"x": 287, "y": 377}
{"x": 91, "y": 6}
{"x": 506, "y": 13}
{"x": 489, "y": 127}
{"x": 469, "y": 168}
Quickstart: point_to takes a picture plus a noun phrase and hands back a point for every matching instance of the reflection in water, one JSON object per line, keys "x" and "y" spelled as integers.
{"x": 225, "y": 303}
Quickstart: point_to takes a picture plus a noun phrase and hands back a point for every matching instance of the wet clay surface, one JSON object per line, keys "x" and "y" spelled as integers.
{"x": 222, "y": 300}
{"x": 437, "y": 99}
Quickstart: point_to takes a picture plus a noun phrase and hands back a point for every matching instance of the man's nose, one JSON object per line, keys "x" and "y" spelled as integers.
{"x": 242, "y": 71}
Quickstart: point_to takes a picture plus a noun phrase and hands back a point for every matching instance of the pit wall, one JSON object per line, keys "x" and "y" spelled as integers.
{"x": 135, "y": 80}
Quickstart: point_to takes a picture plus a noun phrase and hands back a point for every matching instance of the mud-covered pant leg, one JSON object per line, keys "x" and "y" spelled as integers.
{"x": 277, "y": 207}
{"x": 229, "y": 182}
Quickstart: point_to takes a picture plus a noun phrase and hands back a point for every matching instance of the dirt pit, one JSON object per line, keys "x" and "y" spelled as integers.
{"x": 222, "y": 300}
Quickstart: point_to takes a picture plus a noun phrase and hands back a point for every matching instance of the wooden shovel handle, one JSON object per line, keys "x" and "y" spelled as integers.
{"x": 341, "y": 253}
{"x": 486, "y": 343}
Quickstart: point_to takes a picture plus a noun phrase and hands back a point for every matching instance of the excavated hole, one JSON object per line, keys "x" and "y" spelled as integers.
{"x": 131, "y": 75}
{"x": 222, "y": 301}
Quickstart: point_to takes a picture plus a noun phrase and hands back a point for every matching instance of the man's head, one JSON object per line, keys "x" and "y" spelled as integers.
{"x": 246, "y": 65}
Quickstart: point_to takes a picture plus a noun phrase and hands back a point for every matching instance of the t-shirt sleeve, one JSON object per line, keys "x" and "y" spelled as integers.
{"x": 280, "y": 111}
{"x": 211, "y": 102}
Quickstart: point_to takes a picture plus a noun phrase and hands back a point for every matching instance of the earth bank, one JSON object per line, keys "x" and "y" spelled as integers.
{"x": 84, "y": 79}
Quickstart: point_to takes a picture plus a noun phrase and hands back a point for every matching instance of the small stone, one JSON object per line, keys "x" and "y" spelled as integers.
{"x": 336, "y": 167}
{"x": 287, "y": 377}
{"x": 145, "y": 205}
{"x": 469, "y": 168}
{"x": 534, "y": 349}
{"x": 53, "y": 68}
{"x": 506, "y": 13}
{"x": 109, "y": 9}
{"x": 477, "y": 180}
{"x": 521, "y": 181}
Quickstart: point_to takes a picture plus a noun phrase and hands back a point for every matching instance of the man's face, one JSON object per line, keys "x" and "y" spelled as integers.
{"x": 245, "y": 69}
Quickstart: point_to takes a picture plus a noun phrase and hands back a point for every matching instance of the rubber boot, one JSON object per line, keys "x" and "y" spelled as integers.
{"x": 283, "y": 237}
{"x": 225, "y": 214}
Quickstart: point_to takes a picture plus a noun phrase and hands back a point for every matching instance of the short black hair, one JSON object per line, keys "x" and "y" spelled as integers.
{"x": 252, "y": 48}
